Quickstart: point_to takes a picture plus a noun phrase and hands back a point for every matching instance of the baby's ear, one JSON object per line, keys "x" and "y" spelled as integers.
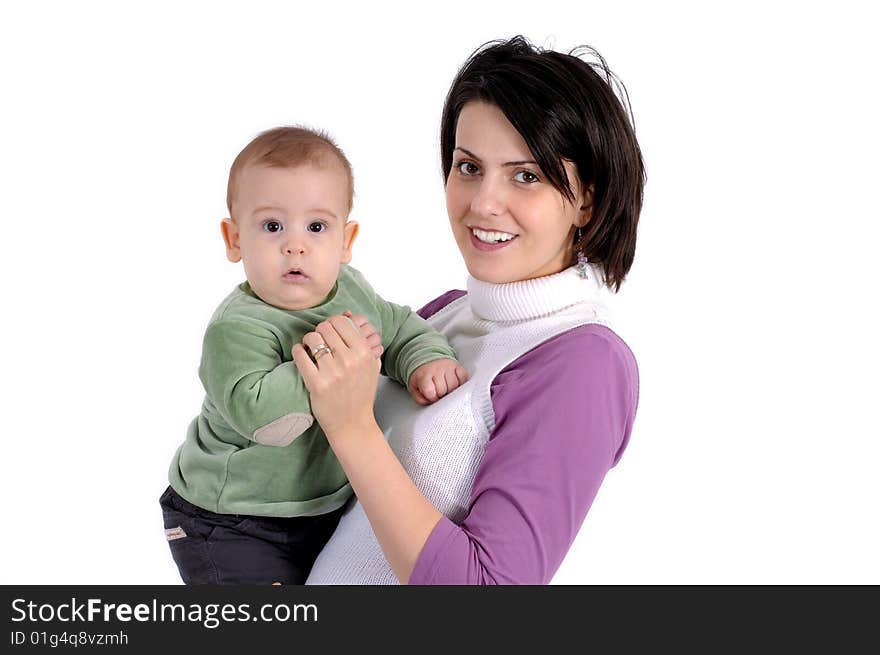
{"x": 349, "y": 234}
{"x": 230, "y": 238}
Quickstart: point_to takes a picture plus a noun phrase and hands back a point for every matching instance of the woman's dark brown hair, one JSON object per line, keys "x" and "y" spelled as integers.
{"x": 565, "y": 108}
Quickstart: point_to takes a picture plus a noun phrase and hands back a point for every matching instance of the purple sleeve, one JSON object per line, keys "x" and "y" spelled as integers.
{"x": 439, "y": 303}
{"x": 563, "y": 415}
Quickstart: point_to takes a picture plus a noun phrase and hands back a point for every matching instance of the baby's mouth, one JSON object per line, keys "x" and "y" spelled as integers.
{"x": 295, "y": 275}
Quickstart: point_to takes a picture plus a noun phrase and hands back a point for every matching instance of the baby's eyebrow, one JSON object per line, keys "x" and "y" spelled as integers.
{"x": 265, "y": 208}
{"x": 280, "y": 210}
{"x": 319, "y": 210}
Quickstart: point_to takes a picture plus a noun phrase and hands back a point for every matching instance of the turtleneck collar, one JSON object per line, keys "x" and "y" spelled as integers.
{"x": 528, "y": 299}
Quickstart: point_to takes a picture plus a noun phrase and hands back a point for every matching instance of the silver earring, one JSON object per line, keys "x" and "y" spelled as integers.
{"x": 582, "y": 266}
{"x": 582, "y": 263}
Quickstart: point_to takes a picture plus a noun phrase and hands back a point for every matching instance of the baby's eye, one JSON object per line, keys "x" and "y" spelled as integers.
{"x": 467, "y": 168}
{"x": 317, "y": 227}
{"x": 526, "y": 176}
{"x": 272, "y": 226}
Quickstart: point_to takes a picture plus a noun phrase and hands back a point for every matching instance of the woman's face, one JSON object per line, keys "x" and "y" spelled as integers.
{"x": 509, "y": 222}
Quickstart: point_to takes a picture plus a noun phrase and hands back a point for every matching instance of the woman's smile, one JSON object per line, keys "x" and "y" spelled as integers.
{"x": 488, "y": 240}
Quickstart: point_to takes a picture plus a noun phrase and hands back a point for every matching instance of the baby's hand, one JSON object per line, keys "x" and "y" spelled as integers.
{"x": 431, "y": 381}
{"x": 368, "y": 332}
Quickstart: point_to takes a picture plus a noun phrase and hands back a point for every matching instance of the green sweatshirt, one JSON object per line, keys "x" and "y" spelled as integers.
{"x": 255, "y": 448}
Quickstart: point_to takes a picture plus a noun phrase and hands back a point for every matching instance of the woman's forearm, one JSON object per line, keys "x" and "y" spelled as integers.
{"x": 342, "y": 389}
{"x": 401, "y": 517}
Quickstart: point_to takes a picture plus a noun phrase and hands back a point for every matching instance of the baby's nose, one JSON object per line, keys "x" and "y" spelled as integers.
{"x": 294, "y": 245}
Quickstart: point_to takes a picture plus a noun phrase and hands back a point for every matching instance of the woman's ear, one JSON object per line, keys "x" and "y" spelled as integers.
{"x": 586, "y": 209}
{"x": 231, "y": 239}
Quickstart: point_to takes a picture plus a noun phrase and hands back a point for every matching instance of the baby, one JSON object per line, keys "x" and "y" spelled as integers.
{"x": 255, "y": 488}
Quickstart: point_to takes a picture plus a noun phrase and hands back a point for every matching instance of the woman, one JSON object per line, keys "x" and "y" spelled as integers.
{"x": 490, "y": 484}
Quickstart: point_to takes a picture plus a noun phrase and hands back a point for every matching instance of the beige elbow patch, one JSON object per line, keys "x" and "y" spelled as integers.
{"x": 282, "y": 431}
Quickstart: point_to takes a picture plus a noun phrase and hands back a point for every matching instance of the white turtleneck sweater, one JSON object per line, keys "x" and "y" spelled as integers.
{"x": 514, "y": 457}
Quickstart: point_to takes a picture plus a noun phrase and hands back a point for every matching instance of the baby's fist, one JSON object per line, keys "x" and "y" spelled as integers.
{"x": 431, "y": 381}
{"x": 368, "y": 332}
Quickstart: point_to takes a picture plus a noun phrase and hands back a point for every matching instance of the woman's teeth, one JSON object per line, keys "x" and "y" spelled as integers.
{"x": 492, "y": 237}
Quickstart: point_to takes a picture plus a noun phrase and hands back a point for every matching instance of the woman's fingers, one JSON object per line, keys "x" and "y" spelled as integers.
{"x": 312, "y": 341}
{"x": 316, "y": 346}
{"x": 339, "y": 331}
{"x": 327, "y": 330}
{"x": 347, "y": 331}
{"x": 306, "y": 366}
{"x": 342, "y": 385}
{"x": 347, "y": 345}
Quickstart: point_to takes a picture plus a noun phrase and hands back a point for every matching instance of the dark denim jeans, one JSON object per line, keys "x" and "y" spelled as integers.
{"x": 211, "y": 548}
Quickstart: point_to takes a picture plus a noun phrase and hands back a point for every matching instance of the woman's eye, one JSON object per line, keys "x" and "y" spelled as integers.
{"x": 272, "y": 226}
{"x": 317, "y": 227}
{"x": 526, "y": 176}
{"x": 467, "y": 168}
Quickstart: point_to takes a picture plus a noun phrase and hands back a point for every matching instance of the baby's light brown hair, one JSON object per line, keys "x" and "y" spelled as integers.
{"x": 288, "y": 147}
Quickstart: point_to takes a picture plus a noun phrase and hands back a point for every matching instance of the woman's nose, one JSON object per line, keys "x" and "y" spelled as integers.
{"x": 489, "y": 198}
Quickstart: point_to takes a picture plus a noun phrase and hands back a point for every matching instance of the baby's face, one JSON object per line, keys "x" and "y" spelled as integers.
{"x": 291, "y": 232}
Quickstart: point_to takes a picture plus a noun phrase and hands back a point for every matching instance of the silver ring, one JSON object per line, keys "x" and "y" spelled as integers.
{"x": 320, "y": 350}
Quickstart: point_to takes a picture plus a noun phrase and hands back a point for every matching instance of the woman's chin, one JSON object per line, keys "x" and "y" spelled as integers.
{"x": 490, "y": 274}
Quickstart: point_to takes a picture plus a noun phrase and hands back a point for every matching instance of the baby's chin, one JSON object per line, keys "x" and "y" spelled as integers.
{"x": 295, "y": 299}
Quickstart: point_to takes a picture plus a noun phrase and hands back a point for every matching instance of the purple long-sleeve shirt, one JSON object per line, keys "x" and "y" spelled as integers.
{"x": 563, "y": 416}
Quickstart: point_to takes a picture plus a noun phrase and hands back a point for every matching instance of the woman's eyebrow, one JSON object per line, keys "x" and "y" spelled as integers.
{"x": 467, "y": 152}
{"x": 507, "y": 163}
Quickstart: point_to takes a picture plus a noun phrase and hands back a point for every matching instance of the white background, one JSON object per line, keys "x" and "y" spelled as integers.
{"x": 752, "y": 305}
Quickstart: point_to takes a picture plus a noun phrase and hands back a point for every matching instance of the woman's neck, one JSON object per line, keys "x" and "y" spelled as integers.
{"x": 527, "y": 299}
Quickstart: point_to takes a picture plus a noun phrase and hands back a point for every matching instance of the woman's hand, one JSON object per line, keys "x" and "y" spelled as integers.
{"x": 341, "y": 382}
{"x": 342, "y": 385}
